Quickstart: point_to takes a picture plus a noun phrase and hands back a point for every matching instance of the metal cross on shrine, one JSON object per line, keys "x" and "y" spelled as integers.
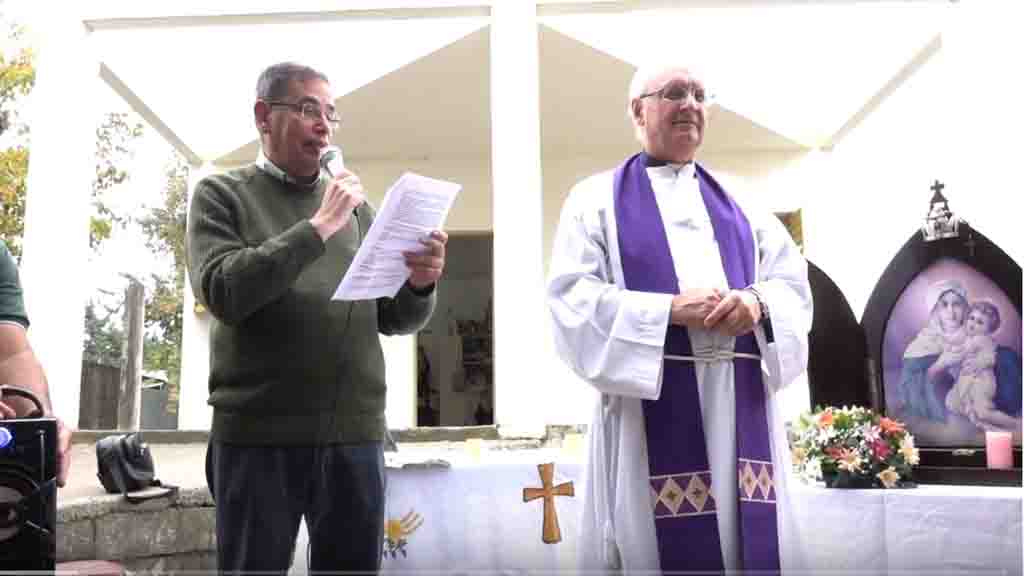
{"x": 970, "y": 243}
{"x": 937, "y": 187}
{"x": 552, "y": 533}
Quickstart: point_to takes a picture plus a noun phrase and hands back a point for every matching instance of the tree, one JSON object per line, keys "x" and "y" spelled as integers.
{"x": 17, "y": 76}
{"x": 113, "y": 140}
{"x": 164, "y": 229}
{"x": 104, "y": 339}
{"x": 13, "y": 169}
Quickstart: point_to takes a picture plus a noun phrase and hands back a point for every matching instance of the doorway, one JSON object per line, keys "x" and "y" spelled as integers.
{"x": 455, "y": 361}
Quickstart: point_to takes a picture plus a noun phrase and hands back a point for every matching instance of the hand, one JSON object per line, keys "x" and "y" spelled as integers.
{"x": 63, "y": 452}
{"x": 735, "y": 315}
{"x": 425, "y": 267}
{"x": 691, "y": 306}
{"x": 342, "y": 195}
{"x": 63, "y": 443}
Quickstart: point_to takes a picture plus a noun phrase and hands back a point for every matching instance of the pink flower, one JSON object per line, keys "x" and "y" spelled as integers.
{"x": 881, "y": 449}
{"x": 871, "y": 433}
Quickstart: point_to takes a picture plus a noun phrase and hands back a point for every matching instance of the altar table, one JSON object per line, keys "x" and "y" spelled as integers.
{"x": 470, "y": 517}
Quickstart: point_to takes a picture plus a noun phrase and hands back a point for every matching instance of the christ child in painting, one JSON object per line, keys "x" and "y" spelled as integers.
{"x": 974, "y": 393}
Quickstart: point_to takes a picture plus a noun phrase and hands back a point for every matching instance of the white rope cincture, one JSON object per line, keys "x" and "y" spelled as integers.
{"x": 712, "y": 356}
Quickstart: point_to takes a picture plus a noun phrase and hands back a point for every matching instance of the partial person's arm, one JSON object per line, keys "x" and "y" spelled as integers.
{"x": 409, "y": 311}
{"x": 946, "y": 360}
{"x": 782, "y": 283}
{"x": 611, "y": 337}
{"x": 19, "y": 367}
{"x": 231, "y": 278}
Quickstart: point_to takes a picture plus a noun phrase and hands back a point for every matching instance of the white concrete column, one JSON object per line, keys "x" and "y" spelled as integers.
{"x": 56, "y": 243}
{"x": 193, "y": 411}
{"x": 519, "y": 377}
{"x": 400, "y": 361}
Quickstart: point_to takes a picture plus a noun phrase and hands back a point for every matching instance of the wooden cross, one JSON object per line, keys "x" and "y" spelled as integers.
{"x": 552, "y": 534}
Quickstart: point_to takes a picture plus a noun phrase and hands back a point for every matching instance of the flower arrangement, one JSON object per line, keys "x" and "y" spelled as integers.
{"x": 853, "y": 447}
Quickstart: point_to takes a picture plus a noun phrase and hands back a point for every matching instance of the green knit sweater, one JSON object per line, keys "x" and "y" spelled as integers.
{"x": 288, "y": 366}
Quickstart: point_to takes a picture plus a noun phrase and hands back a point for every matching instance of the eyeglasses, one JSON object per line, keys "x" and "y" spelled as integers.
{"x": 679, "y": 93}
{"x": 309, "y": 110}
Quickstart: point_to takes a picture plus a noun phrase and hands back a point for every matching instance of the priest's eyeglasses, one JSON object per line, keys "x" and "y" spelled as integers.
{"x": 679, "y": 93}
{"x": 309, "y": 111}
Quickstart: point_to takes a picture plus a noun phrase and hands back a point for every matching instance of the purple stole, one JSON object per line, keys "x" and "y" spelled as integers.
{"x": 684, "y": 510}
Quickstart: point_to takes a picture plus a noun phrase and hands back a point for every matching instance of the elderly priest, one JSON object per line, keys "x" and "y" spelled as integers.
{"x": 687, "y": 312}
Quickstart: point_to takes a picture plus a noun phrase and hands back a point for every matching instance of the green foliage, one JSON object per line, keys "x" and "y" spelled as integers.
{"x": 13, "y": 168}
{"x": 164, "y": 229}
{"x": 104, "y": 339}
{"x": 114, "y": 138}
{"x": 17, "y": 77}
{"x": 164, "y": 226}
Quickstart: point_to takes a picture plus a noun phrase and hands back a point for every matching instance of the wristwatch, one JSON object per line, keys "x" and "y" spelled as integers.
{"x": 760, "y": 302}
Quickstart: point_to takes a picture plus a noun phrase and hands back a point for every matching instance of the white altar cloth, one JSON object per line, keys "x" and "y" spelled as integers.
{"x": 925, "y": 530}
{"x": 474, "y": 520}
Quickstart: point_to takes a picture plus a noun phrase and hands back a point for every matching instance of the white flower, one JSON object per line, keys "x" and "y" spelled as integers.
{"x": 889, "y": 477}
{"x": 813, "y": 468}
{"x": 825, "y": 435}
{"x": 908, "y": 450}
{"x": 849, "y": 461}
{"x": 799, "y": 456}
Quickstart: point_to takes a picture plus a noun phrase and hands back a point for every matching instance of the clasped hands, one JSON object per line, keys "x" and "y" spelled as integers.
{"x": 732, "y": 312}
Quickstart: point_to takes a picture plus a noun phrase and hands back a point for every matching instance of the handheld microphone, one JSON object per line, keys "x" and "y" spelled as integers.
{"x": 332, "y": 161}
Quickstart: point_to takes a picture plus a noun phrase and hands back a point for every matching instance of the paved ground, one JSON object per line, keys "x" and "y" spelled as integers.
{"x": 179, "y": 464}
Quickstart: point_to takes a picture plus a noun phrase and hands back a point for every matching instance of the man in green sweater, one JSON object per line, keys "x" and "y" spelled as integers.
{"x": 296, "y": 379}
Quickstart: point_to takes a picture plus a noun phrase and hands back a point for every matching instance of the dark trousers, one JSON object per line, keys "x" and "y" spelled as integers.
{"x": 262, "y": 492}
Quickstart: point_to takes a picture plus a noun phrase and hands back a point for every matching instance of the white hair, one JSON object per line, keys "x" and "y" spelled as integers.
{"x": 642, "y": 77}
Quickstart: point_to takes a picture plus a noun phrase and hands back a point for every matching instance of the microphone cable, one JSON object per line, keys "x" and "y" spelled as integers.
{"x": 310, "y": 530}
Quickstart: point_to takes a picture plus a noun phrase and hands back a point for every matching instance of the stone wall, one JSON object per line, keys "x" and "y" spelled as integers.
{"x": 160, "y": 535}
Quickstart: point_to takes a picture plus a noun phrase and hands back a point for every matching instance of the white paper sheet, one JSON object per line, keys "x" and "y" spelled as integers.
{"x": 414, "y": 206}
